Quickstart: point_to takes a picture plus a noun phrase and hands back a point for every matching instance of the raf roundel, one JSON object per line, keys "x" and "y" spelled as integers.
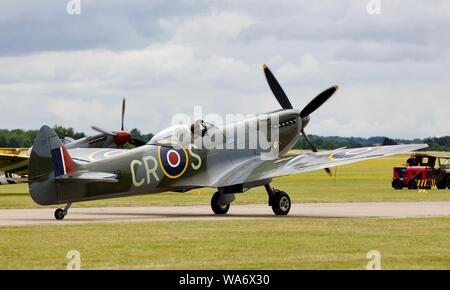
{"x": 173, "y": 161}
{"x": 353, "y": 153}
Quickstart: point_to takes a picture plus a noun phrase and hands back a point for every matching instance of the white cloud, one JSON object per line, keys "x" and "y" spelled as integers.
{"x": 166, "y": 58}
{"x": 308, "y": 68}
{"x": 215, "y": 27}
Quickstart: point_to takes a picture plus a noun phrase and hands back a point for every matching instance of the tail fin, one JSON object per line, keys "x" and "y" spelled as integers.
{"x": 49, "y": 159}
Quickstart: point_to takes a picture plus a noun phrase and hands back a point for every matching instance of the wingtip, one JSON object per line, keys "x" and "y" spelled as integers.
{"x": 264, "y": 66}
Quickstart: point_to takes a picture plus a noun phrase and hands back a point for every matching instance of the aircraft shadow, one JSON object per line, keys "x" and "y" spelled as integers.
{"x": 211, "y": 216}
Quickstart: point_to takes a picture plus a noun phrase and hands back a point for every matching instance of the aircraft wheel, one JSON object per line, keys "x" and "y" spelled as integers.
{"x": 412, "y": 184}
{"x": 216, "y": 208}
{"x": 281, "y": 204}
{"x": 59, "y": 214}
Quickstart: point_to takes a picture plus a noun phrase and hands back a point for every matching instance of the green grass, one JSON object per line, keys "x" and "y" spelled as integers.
{"x": 360, "y": 182}
{"x": 289, "y": 243}
{"x": 276, "y": 243}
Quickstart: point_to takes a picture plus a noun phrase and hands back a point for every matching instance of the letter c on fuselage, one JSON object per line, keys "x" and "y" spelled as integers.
{"x": 133, "y": 173}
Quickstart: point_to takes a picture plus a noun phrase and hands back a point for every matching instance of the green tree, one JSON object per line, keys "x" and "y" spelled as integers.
{"x": 67, "y": 132}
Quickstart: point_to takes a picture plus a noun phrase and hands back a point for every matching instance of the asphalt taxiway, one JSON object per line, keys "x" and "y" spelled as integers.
{"x": 43, "y": 216}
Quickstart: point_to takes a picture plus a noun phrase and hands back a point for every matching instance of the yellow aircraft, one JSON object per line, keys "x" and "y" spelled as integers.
{"x": 14, "y": 162}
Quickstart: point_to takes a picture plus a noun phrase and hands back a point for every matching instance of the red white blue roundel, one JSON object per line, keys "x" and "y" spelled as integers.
{"x": 352, "y": 153}
{"x": 173, "y": 160}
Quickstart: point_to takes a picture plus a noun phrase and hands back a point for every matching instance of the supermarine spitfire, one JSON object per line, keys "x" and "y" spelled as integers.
{"x": 173, "y": 160}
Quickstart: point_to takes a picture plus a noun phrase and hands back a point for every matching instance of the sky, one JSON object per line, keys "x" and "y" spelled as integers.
{"x": 72, "y": 67}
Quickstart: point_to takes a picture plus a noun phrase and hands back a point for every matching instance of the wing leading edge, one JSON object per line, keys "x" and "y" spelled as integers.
{"x": 295, "y": 164}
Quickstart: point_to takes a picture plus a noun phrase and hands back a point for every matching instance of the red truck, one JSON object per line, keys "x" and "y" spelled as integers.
{"x": 413, "y": 177}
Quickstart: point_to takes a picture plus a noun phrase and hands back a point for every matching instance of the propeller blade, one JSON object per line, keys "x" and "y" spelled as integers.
{"x": 314, "y": 149}
{"x": 318, "y": 101}
{"x": 276, "y": 89}
{"x": 103, "y": 131}
{"x": 123, "y": 113}
{"x": 137, "y": 142}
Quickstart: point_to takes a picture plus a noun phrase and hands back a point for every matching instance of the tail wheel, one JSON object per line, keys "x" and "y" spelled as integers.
{"x": 412, "y": 184}
{"x": 281, "y": 204}
{"x": 216, "y": 208}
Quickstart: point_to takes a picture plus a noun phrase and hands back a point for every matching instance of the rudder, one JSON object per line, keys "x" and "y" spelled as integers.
{"x": 49, "y": 159}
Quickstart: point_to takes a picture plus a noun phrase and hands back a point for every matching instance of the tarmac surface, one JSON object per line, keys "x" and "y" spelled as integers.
{"x": 44, "y": 216}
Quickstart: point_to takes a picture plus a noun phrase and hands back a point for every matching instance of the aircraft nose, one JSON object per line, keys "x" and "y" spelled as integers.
{"x": 122, "y": 137}
{"x": 305, "y": 121}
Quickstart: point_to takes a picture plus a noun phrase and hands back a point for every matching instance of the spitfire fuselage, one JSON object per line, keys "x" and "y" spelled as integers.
{"x": 168, "y": 163}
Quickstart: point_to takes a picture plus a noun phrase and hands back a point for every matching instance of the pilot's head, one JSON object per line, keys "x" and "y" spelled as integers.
{"x": 196, "y": 129}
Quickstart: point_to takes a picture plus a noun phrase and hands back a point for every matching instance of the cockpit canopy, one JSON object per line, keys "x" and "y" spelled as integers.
{"x": 181, "y": 134}
{"x": 200, "y": 127}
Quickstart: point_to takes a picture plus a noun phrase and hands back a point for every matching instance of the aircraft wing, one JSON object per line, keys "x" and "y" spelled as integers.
{"x": 13, "y": 162}
{"x": 257, "y": 170}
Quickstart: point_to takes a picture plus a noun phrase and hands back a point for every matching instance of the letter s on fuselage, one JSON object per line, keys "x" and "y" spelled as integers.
{"x": 196, "y": 156}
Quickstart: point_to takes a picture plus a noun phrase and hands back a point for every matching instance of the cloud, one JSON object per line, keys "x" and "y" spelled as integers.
{"x": 215, "y": 26}
{"x": 167, "y": 57}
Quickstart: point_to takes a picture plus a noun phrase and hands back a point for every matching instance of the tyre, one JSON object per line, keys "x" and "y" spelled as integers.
{"x": 281, "y": 204}
{"x": 448, "y": 182}
{"x": 59, "y": 214}
{"x": 397, "y": 184}
{"x": 412, "y": 184}
{"x": 216, "y": 208}
{"x": 441, "y": 184}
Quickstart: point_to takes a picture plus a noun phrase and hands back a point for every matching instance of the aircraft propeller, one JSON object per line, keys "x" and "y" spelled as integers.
{"x": 121, "y": 136}
{"x": 282, "y": 98}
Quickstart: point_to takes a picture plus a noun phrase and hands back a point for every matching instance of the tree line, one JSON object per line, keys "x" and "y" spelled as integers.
{"x": 334, "y": 142}
{"x": 19, "y": 138}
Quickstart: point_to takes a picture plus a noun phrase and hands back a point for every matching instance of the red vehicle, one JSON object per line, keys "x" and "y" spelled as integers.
{"x": 413, "y": 177}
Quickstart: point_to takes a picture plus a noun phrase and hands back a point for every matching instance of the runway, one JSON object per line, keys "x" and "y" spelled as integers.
{"x": 44, "y": 216}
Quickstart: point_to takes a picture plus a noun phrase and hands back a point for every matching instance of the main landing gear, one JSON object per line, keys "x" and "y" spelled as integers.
{"x": 61, "y": 213}
{"x": 278, "y": 200}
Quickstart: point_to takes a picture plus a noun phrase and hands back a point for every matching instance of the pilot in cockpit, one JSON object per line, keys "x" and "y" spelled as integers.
{"x": 200, "y": 127}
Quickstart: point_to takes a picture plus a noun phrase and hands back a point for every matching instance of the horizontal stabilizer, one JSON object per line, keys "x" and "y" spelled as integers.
{"x": 88, "y": 176}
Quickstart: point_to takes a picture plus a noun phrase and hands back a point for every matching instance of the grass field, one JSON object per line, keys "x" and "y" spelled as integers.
{"x": 278, "y": 243}
{"x": 359, "y": 182}
{"x": 253, "y": 244}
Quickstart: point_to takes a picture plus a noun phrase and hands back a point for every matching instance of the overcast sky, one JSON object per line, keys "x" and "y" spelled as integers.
{"x": 165, "y": 57}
